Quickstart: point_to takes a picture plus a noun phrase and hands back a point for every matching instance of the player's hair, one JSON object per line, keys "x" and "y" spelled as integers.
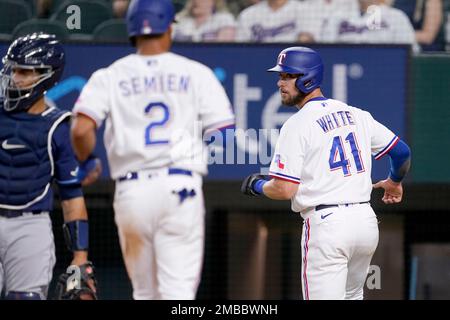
{"x": 133, "y": 40}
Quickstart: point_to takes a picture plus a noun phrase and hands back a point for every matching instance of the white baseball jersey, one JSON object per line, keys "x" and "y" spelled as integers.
{"x": 382, "y": 24}
{"x": 260, "y": 23}
{"x": 316, "y": 14}
{"x": 156, "y": 108}
{"x": 187, "y": 30}
{"x": 326, "y": 147}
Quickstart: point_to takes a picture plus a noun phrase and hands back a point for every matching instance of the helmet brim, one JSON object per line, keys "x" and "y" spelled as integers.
{"x": 286, "y": 69}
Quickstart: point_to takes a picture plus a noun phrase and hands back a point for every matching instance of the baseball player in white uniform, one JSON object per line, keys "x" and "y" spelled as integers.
{"x": 270, "y": 21}
{"x": 377, "y": 23}
{"x": 156, "y": 105}
{"x": 322, "y": 163}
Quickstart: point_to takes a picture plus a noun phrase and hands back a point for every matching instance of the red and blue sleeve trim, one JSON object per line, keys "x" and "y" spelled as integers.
{"x": 285, "y": 177}
{"x": 386, "y": 149}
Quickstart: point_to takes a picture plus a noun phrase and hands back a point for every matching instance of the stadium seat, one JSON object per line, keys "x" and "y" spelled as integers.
{"x": 12, "y": 12}
{"x": 93, "y": 12}
{"x": 179, "y": 5}
{"x": 35, "y": 25}
{"x": 114, "y": 30}
{"x": 55, "y": 4}
{"x": 32, "y": 5}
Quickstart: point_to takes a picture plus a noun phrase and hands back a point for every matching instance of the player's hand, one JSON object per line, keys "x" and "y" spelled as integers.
{"x": 93, "y": 174}
{"x": 393, "y": 191}
{"x": 90, "y": 170}
{"x": 247, "y": 184}
{"x": 78, "y": 286}
{"x": 79, "y": 261}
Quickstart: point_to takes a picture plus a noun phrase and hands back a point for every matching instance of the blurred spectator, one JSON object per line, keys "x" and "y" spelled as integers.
{"x": 447, "y": 26}
{"x": 204, "y": 20}
{"x": 316, "y": 14}
{"x": 426, "y": 17}
{"x": 120, "y": 8}
{"x": 377, "y": 23}
{"x": 237, "y": 6}
{"x": 270, "y": 21}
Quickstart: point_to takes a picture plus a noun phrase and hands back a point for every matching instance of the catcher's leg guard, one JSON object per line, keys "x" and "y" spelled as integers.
{"x": 20, "y": 295}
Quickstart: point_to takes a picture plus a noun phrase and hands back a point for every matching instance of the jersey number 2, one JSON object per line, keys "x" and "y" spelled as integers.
{"x": 148, "y": 129}
{"x": 338, "y": 150}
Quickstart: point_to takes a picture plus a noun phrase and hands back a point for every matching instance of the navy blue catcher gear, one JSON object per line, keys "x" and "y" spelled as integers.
{"x": 26, "y": 141}
{"x": 39, "y": 52}
{"x": 303, "y": 61}
{"x": 149, "y": 17}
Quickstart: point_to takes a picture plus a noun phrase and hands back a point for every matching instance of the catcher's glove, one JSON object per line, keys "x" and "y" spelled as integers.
{"x": 248, "y": 183}
{"x": 77, "y": 283}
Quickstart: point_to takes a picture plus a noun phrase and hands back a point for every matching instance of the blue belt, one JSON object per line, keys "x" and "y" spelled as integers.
{"x": 135, "y": 175}
{"x": 326, "y": 206}
{"x": 7, "y": 213}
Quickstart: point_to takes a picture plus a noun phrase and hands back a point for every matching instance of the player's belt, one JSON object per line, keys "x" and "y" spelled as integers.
{"x": 135, "y": 175}
{"x": 180, "y": 171}
{"x": 326, "y": 206}
{"x": 7, "y": 213}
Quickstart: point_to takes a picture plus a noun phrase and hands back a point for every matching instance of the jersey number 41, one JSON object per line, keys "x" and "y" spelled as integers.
{"x": 338, "y": 158}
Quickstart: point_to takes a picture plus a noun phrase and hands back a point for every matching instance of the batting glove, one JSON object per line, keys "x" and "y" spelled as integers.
{"x": 248, "y": 185}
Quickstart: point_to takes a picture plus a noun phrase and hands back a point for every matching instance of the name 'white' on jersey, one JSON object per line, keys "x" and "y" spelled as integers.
{"x": 327, "y": 148}
{"x": 156, "y": 109}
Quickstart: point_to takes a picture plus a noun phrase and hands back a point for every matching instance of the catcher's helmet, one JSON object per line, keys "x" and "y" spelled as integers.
{"x": 40, "y": 52}
{"x": 303, "y": 61}
{"x": 149, "y": 17}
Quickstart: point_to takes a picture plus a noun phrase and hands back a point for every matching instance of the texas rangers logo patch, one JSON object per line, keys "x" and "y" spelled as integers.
{"x": 280, "y": 163}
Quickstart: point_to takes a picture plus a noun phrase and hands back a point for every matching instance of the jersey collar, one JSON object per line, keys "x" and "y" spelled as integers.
{"x": 318, "y": 99}
{"x": 315, "y": 99}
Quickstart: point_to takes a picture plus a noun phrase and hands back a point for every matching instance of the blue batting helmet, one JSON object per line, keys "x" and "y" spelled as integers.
{"x": 149, "y": 17}
{"x": 39, "y": 52}
{"x": 303, "y": 61}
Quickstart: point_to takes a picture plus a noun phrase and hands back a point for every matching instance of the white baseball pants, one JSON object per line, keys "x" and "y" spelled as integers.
{"x": 337, "y": 246}
{"x": 161, "y": 233}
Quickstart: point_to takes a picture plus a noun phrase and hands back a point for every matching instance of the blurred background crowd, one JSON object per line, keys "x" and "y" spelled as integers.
{"x": 425, "y": 24}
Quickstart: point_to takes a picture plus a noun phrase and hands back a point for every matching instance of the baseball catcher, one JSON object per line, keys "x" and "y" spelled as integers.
{"x": 35, "y": 153}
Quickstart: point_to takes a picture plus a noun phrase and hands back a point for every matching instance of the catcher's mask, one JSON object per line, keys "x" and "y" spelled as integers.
{"x": 39, "y": 52}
